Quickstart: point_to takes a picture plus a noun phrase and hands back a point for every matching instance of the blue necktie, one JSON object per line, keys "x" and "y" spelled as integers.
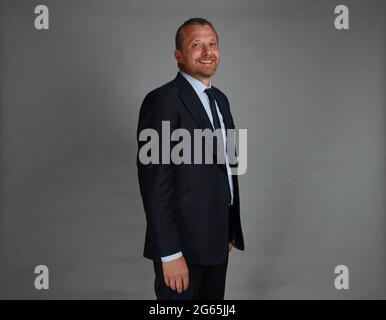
{"x": 212, "y": 103}
{"x": 216, "y": 125}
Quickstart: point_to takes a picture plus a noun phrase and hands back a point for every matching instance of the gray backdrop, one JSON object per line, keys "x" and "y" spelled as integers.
{"x": 311, "y": 97}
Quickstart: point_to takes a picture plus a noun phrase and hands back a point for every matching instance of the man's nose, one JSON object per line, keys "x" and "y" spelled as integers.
{"x": 206, "y": 49}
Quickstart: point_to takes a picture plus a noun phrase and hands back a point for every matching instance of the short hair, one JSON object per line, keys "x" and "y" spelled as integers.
{"x": 191, "y": 22}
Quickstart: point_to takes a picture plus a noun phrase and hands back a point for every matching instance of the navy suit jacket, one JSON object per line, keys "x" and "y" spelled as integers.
{"x": 186, "y": 205}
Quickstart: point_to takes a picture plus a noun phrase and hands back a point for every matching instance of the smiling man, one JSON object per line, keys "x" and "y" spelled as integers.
{"x": 192, "y": 210}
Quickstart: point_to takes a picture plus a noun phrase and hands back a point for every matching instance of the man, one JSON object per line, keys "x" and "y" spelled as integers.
{"x": 192, "y": 210}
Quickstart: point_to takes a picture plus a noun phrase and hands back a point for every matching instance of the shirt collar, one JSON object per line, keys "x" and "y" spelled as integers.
{"x": 197, "y": 85}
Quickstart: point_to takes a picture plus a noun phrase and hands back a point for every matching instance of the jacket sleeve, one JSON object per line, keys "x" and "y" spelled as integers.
{"x": 156, "y": 180}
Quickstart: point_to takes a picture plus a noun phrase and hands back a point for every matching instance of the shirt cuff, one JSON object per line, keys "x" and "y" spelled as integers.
{"x": 171, "y": 257}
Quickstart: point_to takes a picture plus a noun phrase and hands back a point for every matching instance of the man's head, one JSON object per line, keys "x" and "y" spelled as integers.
{"x": 197, "y": 51}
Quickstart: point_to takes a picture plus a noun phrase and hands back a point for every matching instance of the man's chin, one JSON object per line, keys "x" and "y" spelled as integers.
{"x": 207, "y": 73}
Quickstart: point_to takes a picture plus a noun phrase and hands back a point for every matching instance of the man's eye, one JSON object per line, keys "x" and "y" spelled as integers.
{"x": 196, "y": 44}
{"x": 213, "y": 44}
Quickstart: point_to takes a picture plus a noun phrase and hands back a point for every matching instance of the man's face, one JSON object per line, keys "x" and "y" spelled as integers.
{"x": 200, "y": 54}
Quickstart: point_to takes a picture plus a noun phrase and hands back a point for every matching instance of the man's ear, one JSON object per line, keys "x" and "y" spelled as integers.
{"x": 178, "y": 55}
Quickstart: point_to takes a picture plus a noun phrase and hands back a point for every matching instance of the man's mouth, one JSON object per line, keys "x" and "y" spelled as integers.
{"x": 207, "y": 61}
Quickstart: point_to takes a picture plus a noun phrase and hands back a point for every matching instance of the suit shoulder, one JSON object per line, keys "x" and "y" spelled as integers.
{"x": 162, "y": 93}
{"x": 159, "y": 103}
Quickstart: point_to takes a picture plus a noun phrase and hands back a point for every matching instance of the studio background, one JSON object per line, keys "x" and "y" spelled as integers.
{"x": 312, "y": 98}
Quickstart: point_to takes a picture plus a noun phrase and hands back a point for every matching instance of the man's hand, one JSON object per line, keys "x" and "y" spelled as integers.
{"x": 230, "y": 247}
{"x": 176, "y": 274}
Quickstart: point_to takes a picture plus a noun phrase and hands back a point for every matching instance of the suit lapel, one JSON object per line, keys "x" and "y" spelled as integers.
{"x": 192, "y": 102}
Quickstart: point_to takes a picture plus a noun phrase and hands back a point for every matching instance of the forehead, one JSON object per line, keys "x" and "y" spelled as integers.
{"x": 192, "y": 32}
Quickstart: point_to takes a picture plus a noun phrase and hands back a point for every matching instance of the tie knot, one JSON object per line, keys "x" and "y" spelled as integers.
{"x": 209, "y": 93}
{"x": 208, "y": 90}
